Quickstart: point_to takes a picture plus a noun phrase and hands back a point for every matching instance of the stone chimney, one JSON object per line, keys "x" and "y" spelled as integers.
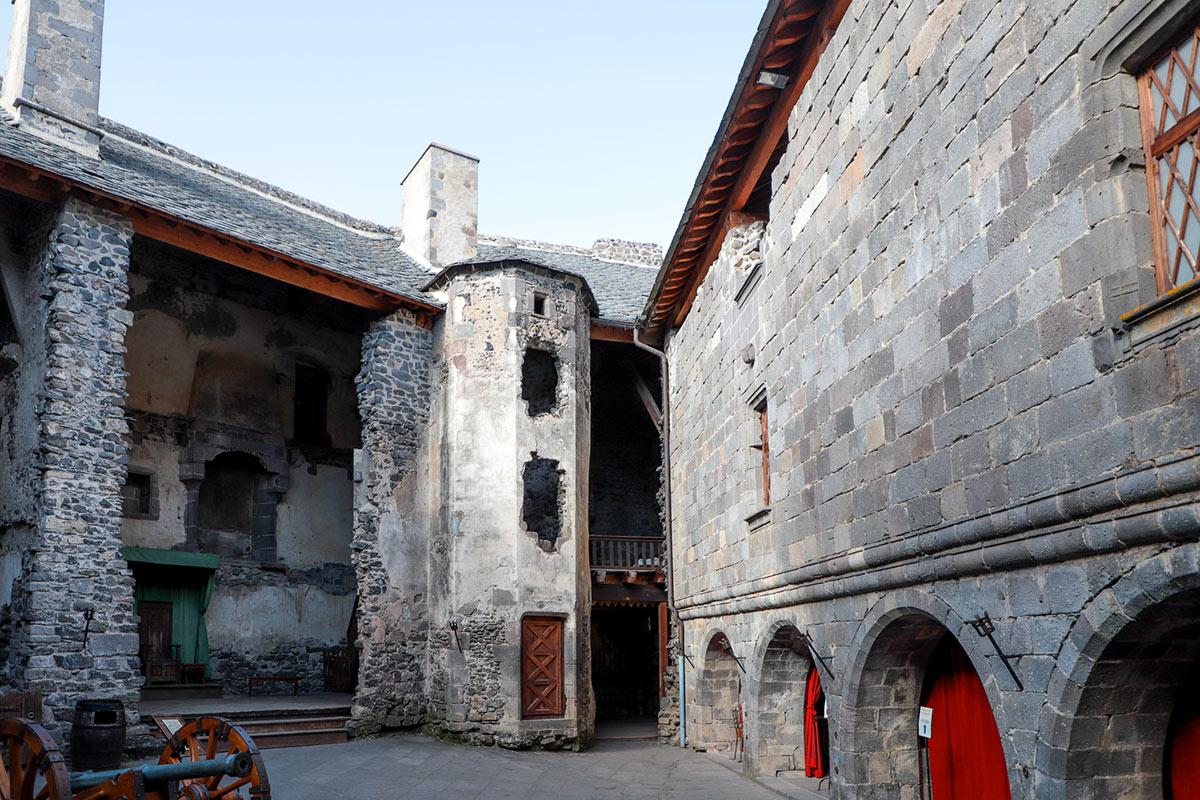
{"x": 52, "y": 79}
{"x": 440, "y": 206}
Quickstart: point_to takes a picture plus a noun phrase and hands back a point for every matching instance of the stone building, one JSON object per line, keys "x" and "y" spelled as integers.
{"x": 242, "y": 434}
{"x": 930, "y": 317}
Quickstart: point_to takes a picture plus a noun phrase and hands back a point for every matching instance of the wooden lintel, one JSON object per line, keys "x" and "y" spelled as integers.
{"x": 776, "y": 125}
{"x": 728, "y": 221}
{"x": 607, "y": 333}
{"x": 646, "y": 395}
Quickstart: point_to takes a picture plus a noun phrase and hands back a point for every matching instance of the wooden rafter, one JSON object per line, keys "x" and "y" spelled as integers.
{"x": 756, "y": 124}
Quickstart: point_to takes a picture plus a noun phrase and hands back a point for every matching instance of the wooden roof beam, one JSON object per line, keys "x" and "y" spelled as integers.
{"x": 776, "y": 125}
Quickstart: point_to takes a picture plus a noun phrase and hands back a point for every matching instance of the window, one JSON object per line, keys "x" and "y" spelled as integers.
{"x": 539, "y": 381}
{"x": 1169, "y": 91}
{"x": 137, "y": 495}
{"x": 311, "y": 405}
{"x": 762, "y": 451}
{"x": 539, "y": 304}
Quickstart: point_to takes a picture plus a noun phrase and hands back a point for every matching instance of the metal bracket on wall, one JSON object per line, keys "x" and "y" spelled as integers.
{"x": 729, "y": 649}
{"x": 984, "y": 626}
{"x": 88, "y": 615}
{"x": 454, "y": 627}
{"x": 811, "y": 647}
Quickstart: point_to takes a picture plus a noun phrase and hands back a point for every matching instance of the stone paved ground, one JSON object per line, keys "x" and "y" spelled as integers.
{"x": 416, "y": 767}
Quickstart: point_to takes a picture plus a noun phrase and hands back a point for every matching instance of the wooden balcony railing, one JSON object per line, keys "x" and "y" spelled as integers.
{"x": 630, "y": 553}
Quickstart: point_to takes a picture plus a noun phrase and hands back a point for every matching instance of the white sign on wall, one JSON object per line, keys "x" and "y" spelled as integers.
{"x": 924, "y": 721}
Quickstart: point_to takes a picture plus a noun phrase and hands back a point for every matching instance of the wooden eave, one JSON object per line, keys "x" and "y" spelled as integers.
{"x": 46, "y": 187}
{"x": 790, "y": 40}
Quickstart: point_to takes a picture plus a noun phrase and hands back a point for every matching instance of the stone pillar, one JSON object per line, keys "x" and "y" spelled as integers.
{"x": 512, "y": 538}
{"x": 390, "y": 543}
{"x": 52, "y": 78}
{"x": 74, "y": 565}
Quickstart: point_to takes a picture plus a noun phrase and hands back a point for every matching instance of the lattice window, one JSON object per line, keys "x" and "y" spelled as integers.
{"x": 1170, "y": 106}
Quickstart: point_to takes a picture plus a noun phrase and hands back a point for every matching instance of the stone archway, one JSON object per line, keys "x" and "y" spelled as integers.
{"x": 1127, "y": 667}
{"x": 775, "y": 738}
{"x": 718, "y": 695}
{"x": 881, "y": 701}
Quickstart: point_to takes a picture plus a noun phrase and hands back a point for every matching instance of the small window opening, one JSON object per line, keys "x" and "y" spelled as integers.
{"x": 311, "y": 405}
{"x": 136, "y": 494}
{"x": 539, "y": 304}
{"x": 541, "y": 508}
{"x": 539, "y": 381}
{"x": 762, "y": 445}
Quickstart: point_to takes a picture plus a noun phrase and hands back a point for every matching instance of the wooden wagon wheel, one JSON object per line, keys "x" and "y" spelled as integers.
{"x": 213, "y": 737}
{"x": 31, "y": 766}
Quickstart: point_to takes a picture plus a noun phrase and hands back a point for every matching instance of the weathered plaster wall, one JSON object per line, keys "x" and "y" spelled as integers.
{"x": 212, "y": 357}
{"x": 954, "y": 429}
{"x": 487, "y": 570}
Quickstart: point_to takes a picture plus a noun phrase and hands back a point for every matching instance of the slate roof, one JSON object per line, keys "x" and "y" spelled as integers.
{"x": 620, "y": 289}
{"x": 146, "y": 172}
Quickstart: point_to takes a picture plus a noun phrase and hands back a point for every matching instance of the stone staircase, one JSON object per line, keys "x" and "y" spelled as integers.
{"x": 292, "y": 727}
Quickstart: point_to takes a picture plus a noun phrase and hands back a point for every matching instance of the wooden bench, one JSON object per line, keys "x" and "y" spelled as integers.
{"x": 294, "y": 680}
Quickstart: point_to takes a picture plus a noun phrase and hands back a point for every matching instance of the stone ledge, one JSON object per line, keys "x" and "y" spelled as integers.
{"x": 1161, "y": 319}
{"x": 1016, "y": 534}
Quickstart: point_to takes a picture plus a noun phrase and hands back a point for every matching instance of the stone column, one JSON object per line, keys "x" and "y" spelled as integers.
{"x": 74, "y": 564}
{"x": 390, "y": 543}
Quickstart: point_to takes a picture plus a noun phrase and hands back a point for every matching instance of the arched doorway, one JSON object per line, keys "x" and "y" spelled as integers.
{"x": 963, "y": 758}
{"x": 718, "y": 695}
{"x": 882, "y": 752}
{"x": 780, "y": 739}
{"x": 1135, "y": 731}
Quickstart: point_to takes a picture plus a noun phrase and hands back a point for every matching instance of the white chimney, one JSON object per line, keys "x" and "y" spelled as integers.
{"x": 440, "y": 207}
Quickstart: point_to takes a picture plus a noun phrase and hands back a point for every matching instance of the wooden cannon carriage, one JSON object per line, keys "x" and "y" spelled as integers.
{"x": 206, "y": 758}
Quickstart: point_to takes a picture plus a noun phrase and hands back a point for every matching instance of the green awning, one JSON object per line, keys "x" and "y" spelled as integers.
{"x": 171, "y": 558}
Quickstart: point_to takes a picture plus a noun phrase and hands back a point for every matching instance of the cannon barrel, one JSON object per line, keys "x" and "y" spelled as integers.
{"x": 239, "y": 765}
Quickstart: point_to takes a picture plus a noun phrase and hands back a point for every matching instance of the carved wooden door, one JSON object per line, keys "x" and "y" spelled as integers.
{"x": 542, "y": 667}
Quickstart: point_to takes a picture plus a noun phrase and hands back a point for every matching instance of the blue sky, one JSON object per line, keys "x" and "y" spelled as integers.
{"x": 590, "y": 119}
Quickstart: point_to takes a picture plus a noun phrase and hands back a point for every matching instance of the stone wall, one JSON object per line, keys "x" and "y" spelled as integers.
{"x": 959, "y": 424}
{"x": 390, "y": 545}
{"x": 647, "y": 254}
{"x": 73, "y": 567}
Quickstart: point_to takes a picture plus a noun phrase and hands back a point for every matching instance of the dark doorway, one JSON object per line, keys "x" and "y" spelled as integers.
{"x": 625, "y": 661}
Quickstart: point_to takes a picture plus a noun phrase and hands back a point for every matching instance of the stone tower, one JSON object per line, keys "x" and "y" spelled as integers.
{"x": 510, "y": 586}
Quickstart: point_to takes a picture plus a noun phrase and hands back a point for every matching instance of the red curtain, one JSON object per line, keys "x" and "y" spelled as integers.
{"x": 966, "y": 759}
{"x": 1183, "y": 751}
{"x": 814, "y": 755}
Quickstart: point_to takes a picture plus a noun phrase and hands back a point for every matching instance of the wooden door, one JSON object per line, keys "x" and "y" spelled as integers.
{"x": 154, "y": 634}
{"x": 542, "y": 667}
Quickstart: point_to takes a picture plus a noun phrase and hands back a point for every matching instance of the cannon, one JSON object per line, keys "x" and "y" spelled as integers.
{"x": 206, "y": 758}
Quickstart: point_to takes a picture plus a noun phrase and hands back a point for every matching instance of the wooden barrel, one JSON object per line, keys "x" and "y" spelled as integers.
{"x": 98, "y": 735}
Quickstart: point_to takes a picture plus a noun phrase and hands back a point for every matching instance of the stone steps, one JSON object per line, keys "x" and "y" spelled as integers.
{"x": 292, "y": 727}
